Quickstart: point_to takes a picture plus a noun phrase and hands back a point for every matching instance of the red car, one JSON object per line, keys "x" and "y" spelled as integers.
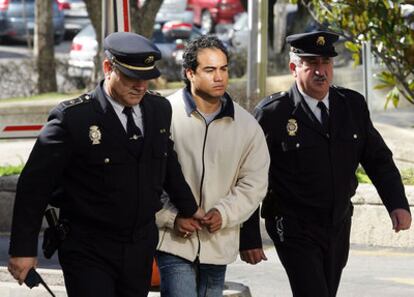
{"x": 209, "y": 13}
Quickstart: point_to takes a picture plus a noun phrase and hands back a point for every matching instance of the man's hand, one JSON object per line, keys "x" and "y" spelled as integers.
{"x": 185, "y": 227}
{"x": 199, "y": 214}
{"x": 253, "y": 256}
{"x": 212, "y": 220}
{"x": 401, "y": 219}
{"x": 20, "y": 266}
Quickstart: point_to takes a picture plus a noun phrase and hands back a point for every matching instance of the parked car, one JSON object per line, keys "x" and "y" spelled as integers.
{"x": 172, "y": 10}
{"x": 17, "y": 20}
{"x": 82, "y": 52}
{"x": 169, "y": 37}
{"x": 209, "y": 13}
{"x": 76, "y": 15}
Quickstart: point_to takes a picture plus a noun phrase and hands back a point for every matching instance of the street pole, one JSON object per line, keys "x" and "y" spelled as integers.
{"x": 263, "y": 31}
{"x": 253, "y": 17}
{"x": 115, "y": 17}
{"x": 257, "y": 51}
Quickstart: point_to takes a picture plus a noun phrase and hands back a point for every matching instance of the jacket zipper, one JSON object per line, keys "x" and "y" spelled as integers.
{"x": 202, "y": 177}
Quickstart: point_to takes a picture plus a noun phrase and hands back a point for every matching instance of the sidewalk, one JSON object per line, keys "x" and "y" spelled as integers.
{"x": 378, "y": 272}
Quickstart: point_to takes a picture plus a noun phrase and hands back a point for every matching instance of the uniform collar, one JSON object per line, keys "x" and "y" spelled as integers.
{"x": 313, "y": 102}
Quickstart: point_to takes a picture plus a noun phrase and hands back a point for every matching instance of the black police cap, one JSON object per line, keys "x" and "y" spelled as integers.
{"x": 133, "y": 54}
{"x": 318, "y": 43}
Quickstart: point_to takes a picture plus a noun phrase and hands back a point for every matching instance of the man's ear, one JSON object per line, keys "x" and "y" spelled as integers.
{"x": 189, "y": 73}
{"x": 292, "y": 67}
{"x": 107, "y": 67}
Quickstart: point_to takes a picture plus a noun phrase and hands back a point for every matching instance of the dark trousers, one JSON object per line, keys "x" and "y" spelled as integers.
{"x": 95, "y": 266}
{"x": 312, "y": 254}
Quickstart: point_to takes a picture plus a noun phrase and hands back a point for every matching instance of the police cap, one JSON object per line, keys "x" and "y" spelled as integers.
{"x": 133, "y": 54}
{"x": 318, "y": 43}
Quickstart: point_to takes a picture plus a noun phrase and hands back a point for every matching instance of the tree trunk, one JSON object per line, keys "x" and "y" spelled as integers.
{"x": 143, "y": 18}
{"x": 44, "y": 47}
{"x": 94, "y": 8}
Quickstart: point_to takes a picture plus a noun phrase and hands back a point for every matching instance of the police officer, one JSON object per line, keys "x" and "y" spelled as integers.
{"x": 110, "y": 155}
{"x": 318, "y": 134}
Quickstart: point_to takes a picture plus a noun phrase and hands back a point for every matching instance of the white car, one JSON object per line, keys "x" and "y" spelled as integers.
{"x": 82, "y": 53}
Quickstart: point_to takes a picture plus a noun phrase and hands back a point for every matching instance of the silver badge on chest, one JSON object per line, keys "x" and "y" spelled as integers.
{"x": 95, "y": 134}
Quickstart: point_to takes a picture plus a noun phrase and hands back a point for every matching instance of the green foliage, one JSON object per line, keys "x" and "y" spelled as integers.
{"x": 11, "y": 169}
{"x": 362, "y": 177}
{"x": 381, "y": 22}
{"x": 407, "y": 176}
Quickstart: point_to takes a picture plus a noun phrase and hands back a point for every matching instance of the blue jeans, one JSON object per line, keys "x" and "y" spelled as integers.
{"x": 182, "y": 278}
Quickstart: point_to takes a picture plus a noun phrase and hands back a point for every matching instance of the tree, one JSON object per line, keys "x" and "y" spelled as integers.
{"x": 43, "y": 47}
{"x": 143, "y": 16}
{"x": 94, "y": 8}
{"x": 383, "y": 24}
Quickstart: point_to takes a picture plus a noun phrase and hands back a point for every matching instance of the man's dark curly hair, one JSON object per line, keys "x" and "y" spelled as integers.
{"x": 194, "y": 46}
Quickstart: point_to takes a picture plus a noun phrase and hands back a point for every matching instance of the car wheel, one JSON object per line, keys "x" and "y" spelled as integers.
{"x": 206, "y": 22}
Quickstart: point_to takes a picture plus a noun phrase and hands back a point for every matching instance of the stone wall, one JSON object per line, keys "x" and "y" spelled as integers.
{"x": 7, "y": 193}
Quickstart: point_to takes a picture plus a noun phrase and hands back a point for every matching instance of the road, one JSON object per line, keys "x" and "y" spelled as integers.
{"x": 9, "y": 50}
{"x": 379, "y": 272}
{"x": 371, "y": 271}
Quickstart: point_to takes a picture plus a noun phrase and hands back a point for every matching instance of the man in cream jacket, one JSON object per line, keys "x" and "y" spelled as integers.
{"x": 225, "y": 160}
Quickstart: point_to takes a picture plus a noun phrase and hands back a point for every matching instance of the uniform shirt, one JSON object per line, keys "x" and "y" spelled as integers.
{"x": 312, "y": 103}
{"x": 137, "y": 113}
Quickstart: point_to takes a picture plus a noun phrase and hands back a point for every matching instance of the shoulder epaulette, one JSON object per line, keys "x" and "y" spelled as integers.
{"x": 85, "y": 98}
{"x": 154, "y": 93}
{"x": 272, "y": 98}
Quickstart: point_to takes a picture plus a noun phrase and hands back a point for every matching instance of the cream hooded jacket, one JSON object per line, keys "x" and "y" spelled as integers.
{"x": 226, "y": 165}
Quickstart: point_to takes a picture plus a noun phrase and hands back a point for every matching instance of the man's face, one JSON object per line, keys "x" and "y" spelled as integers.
{"x": 209, "y": 80}
{"x": 123, "y": 89}
{"x": 313, "y": 75}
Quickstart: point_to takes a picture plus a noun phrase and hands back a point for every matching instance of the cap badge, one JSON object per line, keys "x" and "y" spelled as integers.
{"x": 149, "y": 60}
{"x": 95, "y": 134}
{"x": 292, "y": 127}
{"x": 320, "y": 41}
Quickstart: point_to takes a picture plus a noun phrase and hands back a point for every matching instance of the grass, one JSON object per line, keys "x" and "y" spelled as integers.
{"x": 11, "y": 169}
{"x": 46, "y": 96}
{"x": 407, "y": 176}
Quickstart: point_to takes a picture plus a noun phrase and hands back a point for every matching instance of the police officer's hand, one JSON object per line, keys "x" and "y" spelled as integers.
{"x": 212, "y": 220}
{"x": 253, "y": 256}
{"x": 20, "y": 266}
{"x": 401, "y": 219}
{"x": 185, "y": 227}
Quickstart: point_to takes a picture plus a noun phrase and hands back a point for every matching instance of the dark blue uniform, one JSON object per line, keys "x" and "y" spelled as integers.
{"x": 108, "y": 193}
{"x": 308, "y": 207}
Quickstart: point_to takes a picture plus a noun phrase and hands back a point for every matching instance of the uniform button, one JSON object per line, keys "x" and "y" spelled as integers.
{"x": 355, "y": 136}
{"x": 87, "y": 97}
{"x": 107, "y": 160}
{"x": 298, "y": 144}
{"x": 327, "y": 135}
{"x": 165, "y": 154}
